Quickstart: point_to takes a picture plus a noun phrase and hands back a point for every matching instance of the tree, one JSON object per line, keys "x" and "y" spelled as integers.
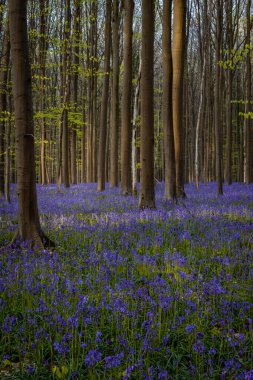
{"x": 29, "y": 224}
{"x": 228, "y": 171}
{"x": 147, "y": 187}
{"x": 248, "y": 120}
{"x": 115, "y": 98}
{"x": 3, "y": 105}
{"x": 104, "y": 104}
{"x": 43, "y": 55}
{"x": 76, "y": 41}
{"x": 66, "y": 95}
{"x": 177, "y": 101}
{"x": 126, "y": 98}
{"x": 169, "y": 149}
{"x": 217, "y": 116}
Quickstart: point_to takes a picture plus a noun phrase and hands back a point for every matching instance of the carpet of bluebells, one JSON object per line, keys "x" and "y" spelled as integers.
{"x": 130, "y": 294}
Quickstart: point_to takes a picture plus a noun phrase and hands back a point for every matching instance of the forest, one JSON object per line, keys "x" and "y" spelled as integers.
{"x": 126, "y": 189}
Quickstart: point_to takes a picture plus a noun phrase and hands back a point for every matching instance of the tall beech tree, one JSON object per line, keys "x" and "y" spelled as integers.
{"x": 3, "y": 106}
{"x": 104, "y": 104}
{"x": 248, "y": 106}
{"x": 147, "y": 186}
{"x": 115, "y": 98}
{"x": 76, "y": 42}
{"x": 66, "y": 95}
{"x": 29, "y": 224}
{"x": 126, "y": 98}
{"x": 177, "y": 97}
{"x": 169, "y": 148}
{"x": 217, "y": 110}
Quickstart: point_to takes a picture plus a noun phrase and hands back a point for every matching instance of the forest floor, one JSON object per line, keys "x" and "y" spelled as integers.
{"x": 130, "y": 294}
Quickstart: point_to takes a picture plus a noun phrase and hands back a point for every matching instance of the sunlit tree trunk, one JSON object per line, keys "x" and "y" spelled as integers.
{"x": 29, "y": 224}
{"x": 104, "y": 104}
{"x": 126, "y": 98}
{"x": 178, "y": 74}
{"x": 147, "y": 187}
{"x": 169, "y": 149}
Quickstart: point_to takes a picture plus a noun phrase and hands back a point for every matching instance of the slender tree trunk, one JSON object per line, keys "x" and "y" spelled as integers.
{"x": 29, "y": 224}
{"x": 7, "y": 162}
{"x": 178, "y": 74}
{"x": 105, "y": 95}
{"x": 126, "y": 98}
{"x": 147, "y": 186}
{"x": 134, "y": 132}
{"x": 228, "y": 174}
{"x": 83, "y": 147}
{"x": 218, "y": 151}
{"x": 66, "y": 96}
{"x": 76, "y": 60}
{"x": 115, "y": 99}
{"x": 43, "y": 55}
{"x": 169, "y": 148}
{"x": 3, "y": 105}
{"x": 248, "y": 107}
{"x": 197, "y": 137}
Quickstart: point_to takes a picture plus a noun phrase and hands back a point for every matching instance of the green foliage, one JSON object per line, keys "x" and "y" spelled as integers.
{"x": 236, "y": 57}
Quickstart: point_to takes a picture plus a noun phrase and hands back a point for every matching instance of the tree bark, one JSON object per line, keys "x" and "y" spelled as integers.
{"x": 248, "y": 120}
{"x": 115, "y": 98}
{"x": 169, "y": 148}
{"x": 178, "y": 75}
{"x": 218, "y": 148}
{"x": 228, "y": 172}
{"x": 147, "y": 186}
{"x": 43, "y": 56}
{"x": 126, "y": 98}
{"x": 105, "y": 95}
{"x": 76, "y": 41}
{"x": 29, "y": 224}
{"x": 3, "y": 106}
{"x": 134, "y": 132}
{"x": 66, "y": 96}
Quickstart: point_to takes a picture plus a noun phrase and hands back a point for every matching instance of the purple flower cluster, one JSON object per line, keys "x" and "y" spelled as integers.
{"x": 153, "y": 294}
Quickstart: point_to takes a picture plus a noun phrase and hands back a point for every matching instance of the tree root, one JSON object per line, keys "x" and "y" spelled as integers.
{"x": 37, "y": 242}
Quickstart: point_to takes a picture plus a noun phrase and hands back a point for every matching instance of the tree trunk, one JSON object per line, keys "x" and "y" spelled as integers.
{"x": 218, "y": 148}
{"x": 66, "y": 95}
{"x": 126, "y": 98}
{"x": 178, "y": 74}
{"x": 169, "y": 148}
{"x": 105, "y": 95}
{"x": 115, "y": 99}
{"x": 134, "y": 132}
{"x": 29, "y": 223}
{"x": 147, "y": 187}
{"x": 197, "y": 137}
{"x": 248, "y": 107}
{"x": 3, "y": 105}
{"x": 43, "y": 55}
{"x": 228, "y": 173}
{"x": 76, "y": 40}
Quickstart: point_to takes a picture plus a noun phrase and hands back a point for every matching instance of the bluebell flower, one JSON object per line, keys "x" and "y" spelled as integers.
{"x": 92, "y": 358}
{"x": 190, "y": 328}
{"x": 113, "y": 361}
